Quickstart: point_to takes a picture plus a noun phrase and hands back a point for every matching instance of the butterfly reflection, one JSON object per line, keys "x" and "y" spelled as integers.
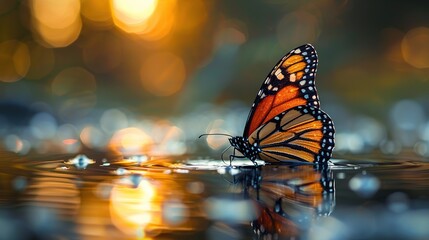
{"x": 288, "y": 198}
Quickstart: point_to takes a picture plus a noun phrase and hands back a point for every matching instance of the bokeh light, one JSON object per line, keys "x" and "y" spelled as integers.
{"x": 407, "y": 117}
{"x": 93, "y": 138}
{"x": 415, "y": 49}
{"x": 150, "y": 20}
{"x": 99, "y": 67}
{"x": 42, "y": 61}
{"x": 43, "y": 126}
{"x": 97, "y": 12}
{"x": 58, "y": 23}
{"x": 75, "y": 88}
{"x": 132, "y": 12}
{"x": 113, "y": 120}
{"x": 364, "y": 184}
{"x": 131, "y": 141}
{"x": 102, "y": 52}
{"x": 14, "y": 60}
{"x": 163, "y": 74}
{"x": 73, "y": 80}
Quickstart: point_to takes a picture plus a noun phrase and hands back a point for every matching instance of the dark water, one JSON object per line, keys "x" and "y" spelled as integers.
{"x": 107, "y": 197}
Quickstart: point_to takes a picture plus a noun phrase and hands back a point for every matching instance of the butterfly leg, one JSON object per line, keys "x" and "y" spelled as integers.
{"x": 255, "y": 163}
{"x": 221, "y": 156}
{"x": 233, "y": 156}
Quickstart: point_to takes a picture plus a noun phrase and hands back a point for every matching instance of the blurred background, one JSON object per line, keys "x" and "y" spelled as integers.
{"x": 150, "y": 76}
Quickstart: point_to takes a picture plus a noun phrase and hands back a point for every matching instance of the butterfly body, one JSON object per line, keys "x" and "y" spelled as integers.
{"x": 285, "y": 123}
{"x": 250, "y": 151}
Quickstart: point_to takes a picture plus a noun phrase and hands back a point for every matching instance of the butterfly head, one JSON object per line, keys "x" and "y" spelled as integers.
{"x": 242, "y": 145}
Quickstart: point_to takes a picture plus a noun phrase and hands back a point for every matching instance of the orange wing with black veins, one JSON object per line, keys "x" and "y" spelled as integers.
{"x": 289, "y": 84}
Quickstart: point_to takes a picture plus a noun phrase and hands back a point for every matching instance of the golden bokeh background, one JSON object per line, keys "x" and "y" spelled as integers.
{"x": 169, "y": 60}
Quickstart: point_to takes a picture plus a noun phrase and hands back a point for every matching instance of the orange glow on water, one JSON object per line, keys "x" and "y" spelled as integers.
{"x": 131, "y": 209}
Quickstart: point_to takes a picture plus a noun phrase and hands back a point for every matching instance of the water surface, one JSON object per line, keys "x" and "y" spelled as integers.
{"x": 101, "y": 196}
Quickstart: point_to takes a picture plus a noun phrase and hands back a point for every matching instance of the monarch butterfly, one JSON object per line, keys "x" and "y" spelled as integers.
{"x": 285, "y": 123}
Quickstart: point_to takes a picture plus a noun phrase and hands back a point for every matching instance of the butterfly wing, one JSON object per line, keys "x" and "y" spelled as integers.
{"x": 289, "y": 84}
{"x": 302, "y": 133}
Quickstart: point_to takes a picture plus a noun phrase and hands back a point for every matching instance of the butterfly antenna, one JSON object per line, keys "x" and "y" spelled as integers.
{"x": 218, "y": 134}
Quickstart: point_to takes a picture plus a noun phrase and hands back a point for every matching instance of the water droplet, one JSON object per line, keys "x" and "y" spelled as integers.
{"x": 80, "y": 161}
{"x": 121, "y": 171}
{"x": 105, "y": 163}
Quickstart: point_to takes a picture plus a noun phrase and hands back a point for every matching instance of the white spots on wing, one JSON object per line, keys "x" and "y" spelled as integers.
{"x": 297, "y": 51}
{"x": 275, "y": 89}
{"x": 270, "y": 87}
{"x": 314, "y": 97}
{"x": 279, "y": 74}
{"x": 267, "y": 80}
{"x": 302, "y": 82}
{"x": 276, "y": 118}
{"x": 292, "y": 77}
{"x": 310, "y": 88}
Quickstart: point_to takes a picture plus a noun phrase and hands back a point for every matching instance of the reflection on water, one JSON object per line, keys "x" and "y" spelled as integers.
{"x": 106, "y": 197}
